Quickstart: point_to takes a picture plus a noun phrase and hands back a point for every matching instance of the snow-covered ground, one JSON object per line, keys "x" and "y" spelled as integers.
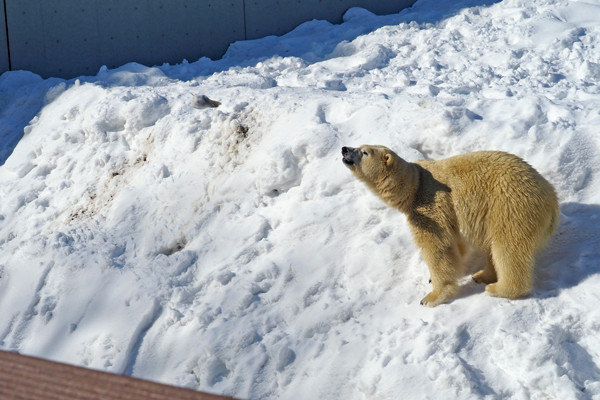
{"x": 229, "y": 250}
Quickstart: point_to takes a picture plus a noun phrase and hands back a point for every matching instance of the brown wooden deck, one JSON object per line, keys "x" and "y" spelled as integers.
{"x": 30, "y": 378}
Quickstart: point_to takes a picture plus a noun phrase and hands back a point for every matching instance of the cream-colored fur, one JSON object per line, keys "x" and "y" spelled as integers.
{"x": 494, "y": 201}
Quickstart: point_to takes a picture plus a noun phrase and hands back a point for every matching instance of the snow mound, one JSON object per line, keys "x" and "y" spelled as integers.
{"x": 229, "y": 250}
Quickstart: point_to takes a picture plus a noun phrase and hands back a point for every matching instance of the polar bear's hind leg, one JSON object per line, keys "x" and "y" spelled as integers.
{"x": 514, "y": 268}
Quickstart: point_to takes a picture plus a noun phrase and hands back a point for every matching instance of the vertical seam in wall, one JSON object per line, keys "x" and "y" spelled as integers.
{"x": 7, "y": 40}
{"x": 244, "y": 11}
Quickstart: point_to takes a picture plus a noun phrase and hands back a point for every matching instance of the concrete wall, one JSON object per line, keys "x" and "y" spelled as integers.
{"x": 68, "y": 38}
{"x": 276, "y": 17}
{"x": 4, "y": 65}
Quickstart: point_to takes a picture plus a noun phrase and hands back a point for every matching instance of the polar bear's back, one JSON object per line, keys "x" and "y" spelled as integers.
{"x": 497, "y": 194}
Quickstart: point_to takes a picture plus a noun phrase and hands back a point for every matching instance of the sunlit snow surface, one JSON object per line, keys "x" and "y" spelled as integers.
{"x": 229, "y": 250}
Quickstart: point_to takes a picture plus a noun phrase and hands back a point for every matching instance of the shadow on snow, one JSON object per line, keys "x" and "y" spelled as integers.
{"x": 573, "y": 254}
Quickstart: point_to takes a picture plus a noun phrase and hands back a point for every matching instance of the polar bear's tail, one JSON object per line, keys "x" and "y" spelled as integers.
{"x": 552, "y": 226}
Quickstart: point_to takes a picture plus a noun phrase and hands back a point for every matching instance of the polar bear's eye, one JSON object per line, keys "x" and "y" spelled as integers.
{"x": 365, "y": 153}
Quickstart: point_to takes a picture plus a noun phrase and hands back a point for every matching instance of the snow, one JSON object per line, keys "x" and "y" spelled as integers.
{"x": 229, "y": 250}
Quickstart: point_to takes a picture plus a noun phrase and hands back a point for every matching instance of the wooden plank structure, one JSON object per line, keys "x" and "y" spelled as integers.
{"x": 30, "y": 378}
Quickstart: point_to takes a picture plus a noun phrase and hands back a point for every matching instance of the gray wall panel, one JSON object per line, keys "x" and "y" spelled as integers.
{"x": 381, "y": 7}
{"x": 25, "y": 25}
{"x": 53, "y": 38}
{"x": 167, "y": 31}
{"x": 276, "y": 17}
{"x": 68, "y": 38}
{"x": 3, "y": 42}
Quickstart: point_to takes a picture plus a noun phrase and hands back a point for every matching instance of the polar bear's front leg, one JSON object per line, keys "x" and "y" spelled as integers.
{"x": 444, "y": 267}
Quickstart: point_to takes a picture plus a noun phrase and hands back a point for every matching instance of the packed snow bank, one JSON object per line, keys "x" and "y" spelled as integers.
{"x": 229, "y": 250}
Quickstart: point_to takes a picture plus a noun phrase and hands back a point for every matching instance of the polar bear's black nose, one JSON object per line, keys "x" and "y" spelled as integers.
{"x": 350, "y": 155}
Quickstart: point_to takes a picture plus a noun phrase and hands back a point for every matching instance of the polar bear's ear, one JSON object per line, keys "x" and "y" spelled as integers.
{"x": 388, "y": 159}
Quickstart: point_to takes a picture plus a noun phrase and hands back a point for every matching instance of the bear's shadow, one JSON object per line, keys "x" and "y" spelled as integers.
{"x": 571, "y": 256}
{"x": 573, "y": 253}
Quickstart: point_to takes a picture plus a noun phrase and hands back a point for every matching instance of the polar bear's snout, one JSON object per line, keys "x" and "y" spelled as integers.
{"x": 350, "y": 155}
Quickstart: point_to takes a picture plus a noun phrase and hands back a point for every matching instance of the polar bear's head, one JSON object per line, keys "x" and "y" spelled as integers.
{"x": 369, "y": 163}
{"x": 394, "y": 180}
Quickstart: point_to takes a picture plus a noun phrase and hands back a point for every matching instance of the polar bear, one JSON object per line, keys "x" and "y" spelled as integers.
{"x": 492, "y": 200}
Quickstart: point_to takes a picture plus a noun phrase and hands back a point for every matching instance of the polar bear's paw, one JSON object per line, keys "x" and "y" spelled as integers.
{"x": 507, "y": 291}
{"x": 437, "y": 297}
{"x": 485, "y": 276}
